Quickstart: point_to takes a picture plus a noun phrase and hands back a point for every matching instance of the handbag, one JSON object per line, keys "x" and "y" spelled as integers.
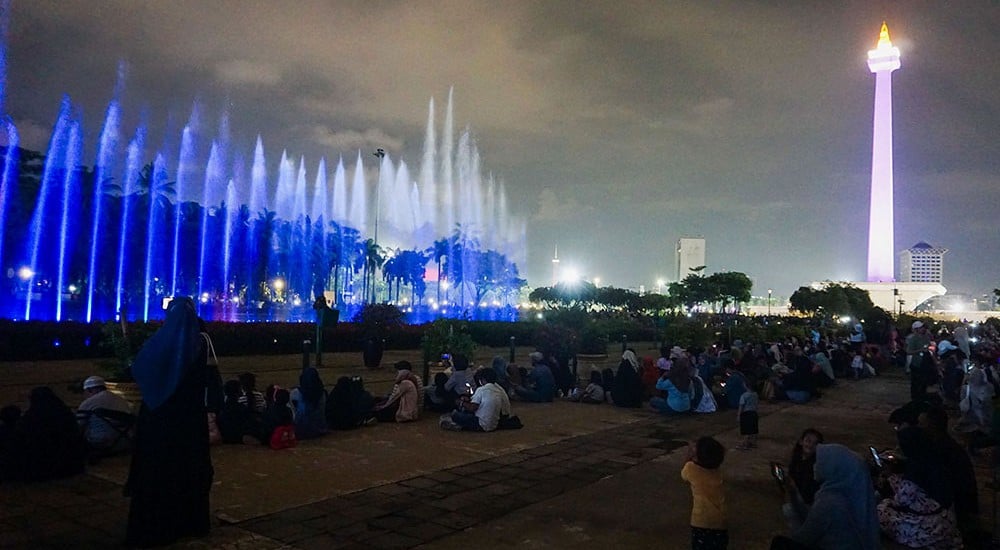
{"x": 283, "y": 437}
{"x": 211, "y": 359}
{"x": 509, "y": 423}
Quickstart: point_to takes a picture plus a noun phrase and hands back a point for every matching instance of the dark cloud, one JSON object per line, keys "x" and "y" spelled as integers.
{"x": 617, "y": 127}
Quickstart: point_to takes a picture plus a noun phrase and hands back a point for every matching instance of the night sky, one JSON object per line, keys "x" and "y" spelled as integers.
{"x": 618, "y": 127}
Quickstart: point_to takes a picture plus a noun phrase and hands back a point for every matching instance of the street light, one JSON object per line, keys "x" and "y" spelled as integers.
{"x": 769, "y": 292}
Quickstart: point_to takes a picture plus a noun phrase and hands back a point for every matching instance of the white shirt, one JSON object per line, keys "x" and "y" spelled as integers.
{"x": 493, "y": 402}
{"x": 97, "y": 430}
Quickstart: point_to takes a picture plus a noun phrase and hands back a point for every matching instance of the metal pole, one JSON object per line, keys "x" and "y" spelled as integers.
{"x": 512, "y": 339}
{"x": 624, "y": 343}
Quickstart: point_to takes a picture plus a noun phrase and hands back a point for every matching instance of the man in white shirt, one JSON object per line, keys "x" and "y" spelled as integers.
{"x": 100, "y": 434}
{"x": 481, "y": 412}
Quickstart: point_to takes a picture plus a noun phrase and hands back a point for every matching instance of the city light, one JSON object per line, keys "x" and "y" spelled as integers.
{"x": 25, "y": 273}
{"x": 278, "y": 284}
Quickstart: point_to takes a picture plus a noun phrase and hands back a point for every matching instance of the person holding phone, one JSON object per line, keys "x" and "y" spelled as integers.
{"x": 457, "y": 384}
{"x": 801, "y": 465}
{"x": 842, "y": 516}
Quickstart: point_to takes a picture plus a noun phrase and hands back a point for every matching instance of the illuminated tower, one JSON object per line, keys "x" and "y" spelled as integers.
{"x": 882, "y": 61}
{"x": 555, "y": 267}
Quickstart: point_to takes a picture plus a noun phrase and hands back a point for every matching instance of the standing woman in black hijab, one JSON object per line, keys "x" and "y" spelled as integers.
{"x": 171, "y": 472}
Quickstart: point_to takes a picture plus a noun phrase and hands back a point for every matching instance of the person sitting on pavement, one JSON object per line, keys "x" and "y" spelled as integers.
{"x": 310, "y": 405}
{"x": 349, "y": 405}
{"x": 402, "y": 403}
{"x": 482, "y": 411}
{"x": 436, "y": 398}
{"x": 676, "y": 383}
{"x": 237, "y": 423}
{"x": 649, "y": 374}
{"x": 627, "y": 388}
{"x": 499, "y": 366}
{"x": 460, "y": 380}
{"x": 919, "y": 513}
{"x": 102, "y": 437}
{"x": 48, "y": 442}
{"x": 843, "y": 515}
{"x": 958, "y": 467}
{"x": 540, "y": 385}
{"x": 253, "y": 399}
{"x": 802, "y": 464}
{"x": 278, "y": 414}
{"x": 593, "y": 393}
{"x": 798, "y": 384}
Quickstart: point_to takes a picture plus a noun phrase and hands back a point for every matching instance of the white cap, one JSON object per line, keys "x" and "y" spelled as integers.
{"x": 93, "y": 382}
{"x": 916, "y": 325}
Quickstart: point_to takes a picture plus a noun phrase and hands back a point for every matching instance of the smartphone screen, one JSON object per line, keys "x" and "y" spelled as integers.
{"x": 777, "y": 471}
{"x": 878, "y": 459}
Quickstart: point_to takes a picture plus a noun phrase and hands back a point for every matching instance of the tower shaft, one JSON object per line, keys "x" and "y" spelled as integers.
{"x": 882, "y": 61}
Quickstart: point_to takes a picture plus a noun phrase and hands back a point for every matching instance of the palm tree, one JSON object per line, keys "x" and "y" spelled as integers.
{"x": 373, "y": 259}
{"x": 438, "y": 251}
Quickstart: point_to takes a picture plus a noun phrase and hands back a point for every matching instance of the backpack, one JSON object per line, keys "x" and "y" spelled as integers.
{"x": 283, "y": 437}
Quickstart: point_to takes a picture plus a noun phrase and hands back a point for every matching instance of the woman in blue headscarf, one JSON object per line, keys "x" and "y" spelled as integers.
{"x": 842, "y": 516}
{"x": 310, "y": 405}
{"x": 171, "y": 472}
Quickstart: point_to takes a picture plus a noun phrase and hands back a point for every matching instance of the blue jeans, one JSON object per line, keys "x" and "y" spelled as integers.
{"x": 661, "y": 406}
{"x": 797, "y": 396}
{"x": 532, "y": 396}
{"x": 468, "y": 421}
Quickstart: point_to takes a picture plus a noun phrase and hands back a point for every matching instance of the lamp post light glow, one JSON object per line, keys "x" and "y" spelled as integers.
{"x": 769, "y": 291}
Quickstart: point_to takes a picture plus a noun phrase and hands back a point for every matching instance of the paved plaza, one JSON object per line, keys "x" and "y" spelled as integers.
{"x": 576, "y": 475}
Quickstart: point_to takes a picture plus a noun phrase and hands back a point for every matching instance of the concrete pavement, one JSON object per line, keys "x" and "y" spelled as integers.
{"x": 575, "y": 475}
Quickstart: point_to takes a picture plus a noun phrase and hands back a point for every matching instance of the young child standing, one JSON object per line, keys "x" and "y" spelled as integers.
{"x": 708, "y": 508}
{"x": 748, "y": 416}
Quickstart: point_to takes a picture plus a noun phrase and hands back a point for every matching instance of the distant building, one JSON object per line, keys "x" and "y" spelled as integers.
{"x": 690, "y": 255}
{"x": 922, "y": 263}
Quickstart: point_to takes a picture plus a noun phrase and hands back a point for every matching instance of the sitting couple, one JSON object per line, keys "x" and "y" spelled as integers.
{"x": 484, "y": 410}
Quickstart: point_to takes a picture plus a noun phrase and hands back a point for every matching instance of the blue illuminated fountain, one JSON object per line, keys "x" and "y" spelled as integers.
{"x": 249, "y": 242}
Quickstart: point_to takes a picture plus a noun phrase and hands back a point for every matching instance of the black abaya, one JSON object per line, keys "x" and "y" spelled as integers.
{"x": 171, "y": 473}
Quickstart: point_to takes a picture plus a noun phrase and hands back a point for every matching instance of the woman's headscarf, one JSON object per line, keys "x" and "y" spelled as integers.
{"x": 311, "y": 386}
{"x": 629, "y": 356}
{"x": 169, "y": 355}
{"x": 842, "y": 473}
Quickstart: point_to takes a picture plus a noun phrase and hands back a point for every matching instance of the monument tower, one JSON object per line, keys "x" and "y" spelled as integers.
{"x": 881, "y": 285}
{"x": 882, "y": 61}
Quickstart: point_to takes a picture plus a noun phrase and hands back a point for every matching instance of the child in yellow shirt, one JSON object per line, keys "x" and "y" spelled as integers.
{"x": 708, "y": 509}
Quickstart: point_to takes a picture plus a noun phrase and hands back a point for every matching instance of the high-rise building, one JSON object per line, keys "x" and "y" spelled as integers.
{"x": 922, "y": 263}
{"x": 882, "y": 61}
{"x": 690, "y": 255}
